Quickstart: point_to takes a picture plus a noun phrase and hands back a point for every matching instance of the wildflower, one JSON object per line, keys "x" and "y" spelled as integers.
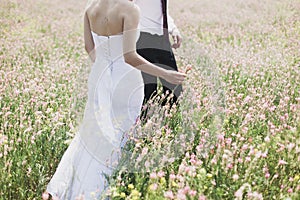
{"x": 229, "y": 166}
{"x": 209, "y": 175}
{"x": 135, "y": 195}
{"x": 290, "y": 190}
{"x": 171, "y": 160}
{"x": 262, "y": 116}
{"x": 192, "y": 193}
{"x": 239, "y": 194}
{"x": 153, "y": 187}
{"x": 264, "y": 155}
{"x": 153, "y": 175}
{"x": 267, "y": 175}
{"x": 282, "y": 162}
{"x": 172, "y": 176}
{"x": 255, "y": 195}
{"x": 144, "y": 151}
{"x": 235, "y": 177}
{"x": 169, "y": 195}
{"x": 181, "y": 195}
{"x": 187, "y": 169}
{"x": 174, "y": 184}
{"x": 186, "y": 189}
{"x": 213, "y": 182}
{"x": 45, "y": 196}
{"x": 188, "y": 68}
{"x": 202, "y": 197}
{"x": 162, "y": 180}
{"x": 296, "y": 178}
{"x": 267, "y": 139}
{"x": 290, "y": 146}
{"x": 202, "y": 171}
{"x": 247, "y": 99}
{"x": 160, "y": 174}
{"x": 122, "y": 195}
{"x": 193, "y": 161}
{"x": 213, "y": 161}
{"x": 130, "y": 186}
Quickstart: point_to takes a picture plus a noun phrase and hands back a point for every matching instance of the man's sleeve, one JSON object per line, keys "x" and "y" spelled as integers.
{"x": 171, "y": 24}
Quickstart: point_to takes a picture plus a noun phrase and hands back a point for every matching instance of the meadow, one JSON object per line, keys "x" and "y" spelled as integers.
{"x": 235, "y": 135}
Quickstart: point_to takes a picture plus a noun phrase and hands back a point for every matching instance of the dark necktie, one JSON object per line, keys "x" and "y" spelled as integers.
{"x": 165, "y": 18}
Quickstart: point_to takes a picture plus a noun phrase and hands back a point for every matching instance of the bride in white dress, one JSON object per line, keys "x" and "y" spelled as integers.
{"x": 115, "y": 95}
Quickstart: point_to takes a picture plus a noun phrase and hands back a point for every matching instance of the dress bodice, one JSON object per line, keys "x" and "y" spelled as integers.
{"x": 109, "y": 48}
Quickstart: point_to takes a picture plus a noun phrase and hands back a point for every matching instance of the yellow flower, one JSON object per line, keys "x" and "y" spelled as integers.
{"x": 209, "y": 175}
{"x": 202, "y": 171}
{"x": 115, "y": 194}
{"x": 152, "y": 187}
{"x": 122, "y": 195}
{"x": 162, "y": 180}
{"x": 135, "y": 193}
{"x": 174, "y": 184}
{"x": 296, "y": 178}
{"x": 130, "y": 186}
{"x": 179, "y": 129}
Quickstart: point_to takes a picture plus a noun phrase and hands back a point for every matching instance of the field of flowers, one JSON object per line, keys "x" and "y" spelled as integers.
{"x": 236, "y": 134}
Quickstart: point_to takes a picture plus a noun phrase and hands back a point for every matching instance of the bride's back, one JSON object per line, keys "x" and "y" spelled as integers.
{"x": 106, "y": 16}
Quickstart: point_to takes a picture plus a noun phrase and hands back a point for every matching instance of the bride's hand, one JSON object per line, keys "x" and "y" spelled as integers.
{"x": 174, "y": 77}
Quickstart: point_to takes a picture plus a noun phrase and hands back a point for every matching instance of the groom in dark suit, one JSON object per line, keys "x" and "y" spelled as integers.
{"x": 154, "y": 44}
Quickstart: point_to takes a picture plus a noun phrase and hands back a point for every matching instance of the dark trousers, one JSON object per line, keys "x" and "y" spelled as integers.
{"x": 157, "y": 50}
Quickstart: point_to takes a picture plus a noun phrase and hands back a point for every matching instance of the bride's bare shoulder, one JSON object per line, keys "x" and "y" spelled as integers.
{"x": 129, "y": 8}
{"x": 123, "y": 7}
{"x": 91, "y": 5}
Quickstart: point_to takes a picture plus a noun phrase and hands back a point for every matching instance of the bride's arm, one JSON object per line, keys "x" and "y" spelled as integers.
{"x": 131, "y": 20}
{"x": 88, "y": 39}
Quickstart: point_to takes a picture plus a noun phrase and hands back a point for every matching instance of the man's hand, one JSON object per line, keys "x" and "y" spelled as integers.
{"x": 176, "y": 38}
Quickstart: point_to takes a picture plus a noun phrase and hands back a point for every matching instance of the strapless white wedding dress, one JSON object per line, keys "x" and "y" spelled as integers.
{"x": 115, "y": 95}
